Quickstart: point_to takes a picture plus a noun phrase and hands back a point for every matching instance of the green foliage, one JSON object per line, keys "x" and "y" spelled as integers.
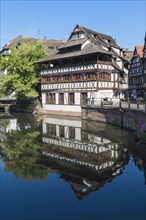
{"x": 22, "y": 71}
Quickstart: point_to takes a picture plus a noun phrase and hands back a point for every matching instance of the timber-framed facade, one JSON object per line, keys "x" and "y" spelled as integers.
{"x": 88, "y": 65}
{"x": 144, "y": 66}
{"x": 136, "y": 78}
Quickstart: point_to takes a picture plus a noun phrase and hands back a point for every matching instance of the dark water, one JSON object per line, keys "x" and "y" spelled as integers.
{"x": 67, "y": 169}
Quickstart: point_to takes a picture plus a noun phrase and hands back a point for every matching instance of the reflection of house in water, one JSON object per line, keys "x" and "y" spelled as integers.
{"x": 86, "y": 161}
{"x": 139, "y": 157}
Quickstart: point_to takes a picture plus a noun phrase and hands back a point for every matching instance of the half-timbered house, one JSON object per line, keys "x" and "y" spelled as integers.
{"x": 136, "y": 79}
{"x": 144, "y": 66}
{"x": 89, "y": 65}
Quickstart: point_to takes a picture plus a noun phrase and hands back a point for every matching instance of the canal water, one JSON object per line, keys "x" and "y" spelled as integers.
{"x": 67, "y": 169}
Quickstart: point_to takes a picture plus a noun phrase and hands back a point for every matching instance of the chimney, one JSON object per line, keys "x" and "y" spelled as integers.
{"x": 20, "y": 36}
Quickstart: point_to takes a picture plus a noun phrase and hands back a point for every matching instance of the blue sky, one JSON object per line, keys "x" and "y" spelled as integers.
{"x": 124, "y": 20}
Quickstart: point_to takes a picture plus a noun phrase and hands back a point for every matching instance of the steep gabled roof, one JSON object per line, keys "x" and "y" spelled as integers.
{"x": 18, "y": 40}
{"x": 72, "y": 43}
{"x": 96, "y": 43}
{"x": 52, "y": 44}
{"x": 138, "y": 51}
{"x": 96, "y": 37}
{"x": 89, "y": 49}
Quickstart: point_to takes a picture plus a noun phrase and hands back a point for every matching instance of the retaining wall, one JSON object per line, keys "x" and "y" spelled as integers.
{"x": 130, "y": 119}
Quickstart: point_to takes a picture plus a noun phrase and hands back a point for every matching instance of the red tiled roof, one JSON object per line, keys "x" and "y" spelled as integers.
{"x": 139, "y": 50}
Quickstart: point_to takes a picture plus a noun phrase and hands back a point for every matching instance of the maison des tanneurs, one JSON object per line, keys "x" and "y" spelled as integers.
{"x": 90, "y": 65}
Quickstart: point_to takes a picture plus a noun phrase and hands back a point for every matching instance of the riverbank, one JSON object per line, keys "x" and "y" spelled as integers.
{"x": 125, "y": 118}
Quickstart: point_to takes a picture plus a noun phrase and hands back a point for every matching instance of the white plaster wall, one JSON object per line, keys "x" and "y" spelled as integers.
{"x": 119, "y": 63}
{"x": 95, "y": 95}
{"x": 77, "y": 98}
{"x": 117, "y": 50}
{"x": 105, "y": 93}
{"x": 64, "y": 122}
{"x": 57, "y": 98}
{"x": 66, "y": 132}
{"x": 43, "y": 98}
{"x": 105, "y": 48}
{"x": 57, "y": 129}
{"x": 44, "y": 128}
{"x": 62, "y": 108}
{"x": 112, "y": 76}
{"x": 66, "y": 98}
{"x": 88, "y": 95}
{"x": 78, "y": 134}
{"x": 126, "y": 70}
{"x": 86, "y": 43}
{"x": 116, "y": 77}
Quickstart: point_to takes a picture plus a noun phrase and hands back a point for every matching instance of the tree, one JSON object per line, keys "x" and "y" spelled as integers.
{"x": 22, "y": 70}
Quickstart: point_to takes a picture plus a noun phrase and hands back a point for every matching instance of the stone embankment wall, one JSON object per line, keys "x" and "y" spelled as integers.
{"x": 130, "y": 119}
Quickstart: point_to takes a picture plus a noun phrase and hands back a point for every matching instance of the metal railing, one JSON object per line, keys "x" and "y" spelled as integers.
{"x": 129, "y": 104}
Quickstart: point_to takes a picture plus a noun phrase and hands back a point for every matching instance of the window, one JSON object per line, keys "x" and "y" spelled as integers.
{"x": 71, "y": 133}
{"x": 133, "y": 81}
{"x": 104, "y": 76}
{"x": 83, "y": 98}
{"x": 71, "y": 99}
{"x": 50, "y": 48}
{"x": 51, "y": 130}
{"x": 78, "y": 77}
{"x": 50, "y": 98}
{"x": 67, "y": 77}
{"x": 137, "y": 81}
{"x": 135, "y": 60}
{"x": 130, "y": 81}
{"x": 61, "y": 131}
{"x": 61, "y": 98}
{"x": 84, "y": 136}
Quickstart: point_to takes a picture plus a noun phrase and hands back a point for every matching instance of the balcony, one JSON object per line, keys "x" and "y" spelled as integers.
{"x": 78, "y": 68}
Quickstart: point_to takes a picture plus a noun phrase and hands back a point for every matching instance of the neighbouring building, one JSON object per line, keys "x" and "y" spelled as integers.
{"x": 144, "y": 66}
{"x": 50, "y": 45}
{"x": 90, "y": 65}
{"x": 136, "y": 78}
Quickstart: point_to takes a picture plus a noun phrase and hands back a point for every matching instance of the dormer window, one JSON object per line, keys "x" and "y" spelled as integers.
{"x": 106, "y": 40}
{"x": 50, "y": 48}
{"x": 70, "y": 49}
{"x": 77, "y": 36}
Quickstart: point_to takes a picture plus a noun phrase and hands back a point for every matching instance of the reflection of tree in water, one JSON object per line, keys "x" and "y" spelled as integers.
{"x": 25, "y": 121}
{"x": 22, "y": 150}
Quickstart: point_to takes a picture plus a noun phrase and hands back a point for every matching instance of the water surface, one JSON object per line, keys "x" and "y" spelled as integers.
{"x": 68, "y": 169}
